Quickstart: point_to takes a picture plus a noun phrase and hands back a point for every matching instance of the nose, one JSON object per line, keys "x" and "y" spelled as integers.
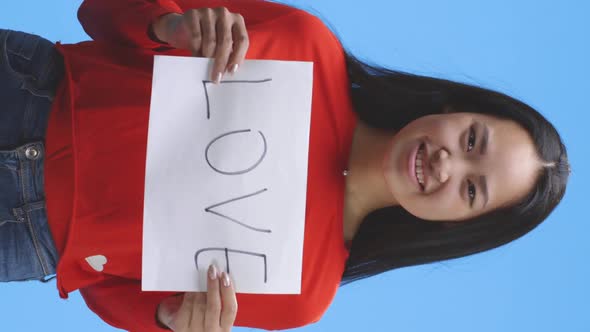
{"x": 441, "y": 165}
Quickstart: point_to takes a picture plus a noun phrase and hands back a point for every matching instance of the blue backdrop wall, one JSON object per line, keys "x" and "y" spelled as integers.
{"x": 537, "y": 51}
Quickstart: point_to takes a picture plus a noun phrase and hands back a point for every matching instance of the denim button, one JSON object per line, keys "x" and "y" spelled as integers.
{"x": 32, "y": 153}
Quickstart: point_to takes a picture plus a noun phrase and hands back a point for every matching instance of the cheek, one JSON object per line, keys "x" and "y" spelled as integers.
{"x": 420, "y": 127}
{"x": 443, "y": 205}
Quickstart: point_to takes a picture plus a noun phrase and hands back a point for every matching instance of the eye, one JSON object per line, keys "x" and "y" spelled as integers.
{"x": 471, "y": 139}
{"x": 470, "y": 192}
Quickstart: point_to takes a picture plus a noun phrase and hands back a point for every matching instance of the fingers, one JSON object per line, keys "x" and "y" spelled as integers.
{"x": 241, "y": 42}
{"x": 222, "y": 305}
{"x": 184, "y": 315}
{"x": 214, "y": 33}
{"x": 208, "y": 22}
{"x": 224, "y": 44}
{"x": 193, "y": 24}
{"x": 230, "y": 303}
{"x": 199, "y": 313}
{"x": 213, "y": 309}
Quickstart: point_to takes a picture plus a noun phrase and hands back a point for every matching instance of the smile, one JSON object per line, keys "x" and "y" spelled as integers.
{"x": 418, "y": 165}
{"x": 420, "y": 162}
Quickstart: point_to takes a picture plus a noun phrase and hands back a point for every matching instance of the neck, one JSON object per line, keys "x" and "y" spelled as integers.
{"x": 366, "y": 189}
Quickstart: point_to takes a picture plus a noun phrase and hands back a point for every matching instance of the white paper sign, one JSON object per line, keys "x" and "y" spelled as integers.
{"x": 226, "y": 175}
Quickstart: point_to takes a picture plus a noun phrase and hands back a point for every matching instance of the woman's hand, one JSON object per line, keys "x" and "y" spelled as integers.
{"x": 214, "y": 311}
{"x": 207, "y": 32}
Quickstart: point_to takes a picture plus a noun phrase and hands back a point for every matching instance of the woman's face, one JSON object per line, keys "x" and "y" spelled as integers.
{"x": 456, "y": 166}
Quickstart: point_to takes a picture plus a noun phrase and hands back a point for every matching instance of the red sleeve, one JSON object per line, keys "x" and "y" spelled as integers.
{"x": 128, "y": 21}
{"x": 122, "y": 304}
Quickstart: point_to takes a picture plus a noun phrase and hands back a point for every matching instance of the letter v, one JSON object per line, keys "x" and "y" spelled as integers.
{"x": 209, "y": 209}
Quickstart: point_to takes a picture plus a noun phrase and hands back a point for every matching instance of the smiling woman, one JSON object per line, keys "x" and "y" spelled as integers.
{"x": 435, "y": 169}
{"x": 441, "y": 170}
{"x": 450, "y": 163}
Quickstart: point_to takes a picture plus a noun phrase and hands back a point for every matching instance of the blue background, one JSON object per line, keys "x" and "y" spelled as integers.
{"x": 536, "y": 51}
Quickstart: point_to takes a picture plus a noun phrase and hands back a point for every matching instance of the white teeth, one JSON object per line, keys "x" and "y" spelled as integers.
{"x": 419, "y": 171}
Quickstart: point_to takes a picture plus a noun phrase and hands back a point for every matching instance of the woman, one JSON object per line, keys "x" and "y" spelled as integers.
{"x": 99, "y": 119}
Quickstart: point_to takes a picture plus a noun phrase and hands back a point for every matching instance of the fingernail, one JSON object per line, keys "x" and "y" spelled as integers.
{"x": 225, "y": 279}
{"x": 218, "y": 79}
{"x": 212, "y": 272}
{"x": 234, "y": 68}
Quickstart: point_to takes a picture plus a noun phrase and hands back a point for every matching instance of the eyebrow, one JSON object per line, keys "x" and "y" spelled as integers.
{"x": 483, "y": 146}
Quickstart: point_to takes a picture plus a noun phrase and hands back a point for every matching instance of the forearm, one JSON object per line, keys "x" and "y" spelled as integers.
{"x": 129, "y": 22}
{"x": 122, "y": 304}
{"x": 124, "y": 21}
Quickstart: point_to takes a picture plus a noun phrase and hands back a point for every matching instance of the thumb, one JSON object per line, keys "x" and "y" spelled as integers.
{"x": 168, "y": 309}
{"x": 177, "y": 33}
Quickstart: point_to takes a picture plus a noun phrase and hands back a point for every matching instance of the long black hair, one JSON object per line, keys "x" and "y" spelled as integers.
{"x": 391, "y": 237}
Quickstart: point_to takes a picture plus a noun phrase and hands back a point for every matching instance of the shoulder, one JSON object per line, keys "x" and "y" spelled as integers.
{"x": 300, "y": 22}
{"x": 311, "y": 25}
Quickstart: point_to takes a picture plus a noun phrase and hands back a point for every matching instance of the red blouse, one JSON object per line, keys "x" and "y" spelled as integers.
{"x": 96, "y": 149}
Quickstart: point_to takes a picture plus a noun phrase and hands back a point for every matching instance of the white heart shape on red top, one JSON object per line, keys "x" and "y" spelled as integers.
{"x": 97, "y": 262}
